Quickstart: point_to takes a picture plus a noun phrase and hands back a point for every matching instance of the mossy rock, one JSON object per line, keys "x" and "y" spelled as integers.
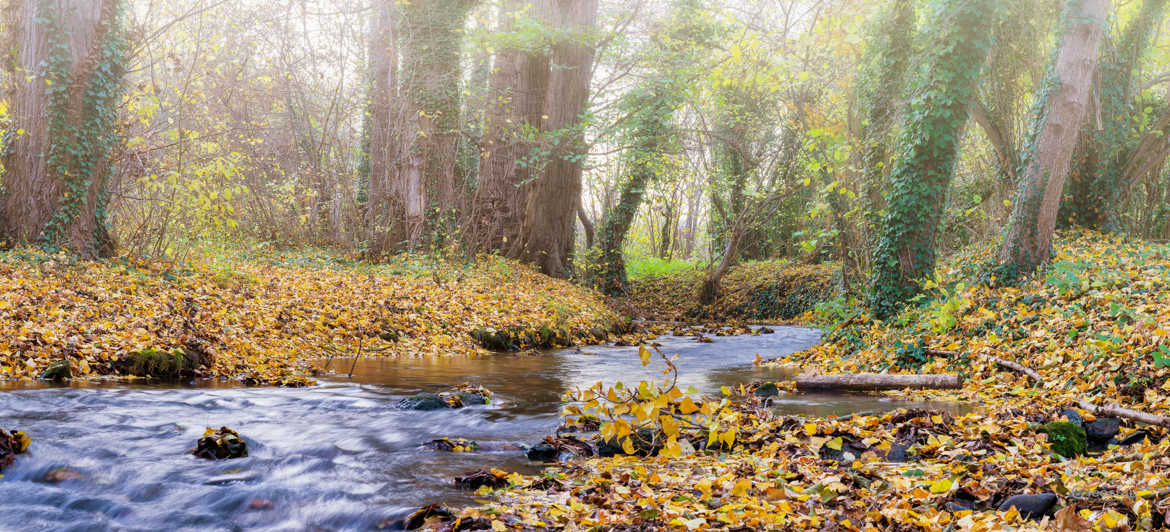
{"x": 423, "y": 401}
{"x": 58, "y": 371}
{"x": 767, "y": 389}
{"x": 154, "y": 363}
{"x": 1068, "y": 439}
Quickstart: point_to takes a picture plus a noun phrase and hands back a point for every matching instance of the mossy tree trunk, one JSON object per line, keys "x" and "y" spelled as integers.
{"x": 65, "y": 67}
{"x": 651, "y": 119}
{"x": 428, "y": 187}
{"x": 1060, "y": 111}
{"x": 929, "y": 142}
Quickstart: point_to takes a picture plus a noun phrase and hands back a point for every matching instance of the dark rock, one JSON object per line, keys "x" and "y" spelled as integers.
{"x": 494, "y": 479}
{"x": 1031, "y": 506}
{"x": 542, "y": 452}
{"x": 220, "y": 444}
{"x": 457, "y": 445}
{"x": 472, "y": 523}
{"x": 419, "y": 517}
{"x": 11, "y": 444}
{"x": 1103, "y": 429}
{"x": 897, "y": 452}
{"x": 423, "y": 401}
{"x": 768, "y": 389}
{"x": 1072, "y": 416}
{"x": 1136, "y": 438}
{"x": 469, "y": 399}
{"x": 58, "y": 371}
{"x": 644, "y": 441}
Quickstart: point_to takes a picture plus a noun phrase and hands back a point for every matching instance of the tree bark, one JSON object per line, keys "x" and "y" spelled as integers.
{"x": 1127, "y": 413}
{"x": 428, "y": 185}
{"x": 867, "y": 382}
{"x": 550, "y": 210}
{"x": 518, "y": 87}
{"x": 65, "y": 72}
{"x": 1028, "y": 243}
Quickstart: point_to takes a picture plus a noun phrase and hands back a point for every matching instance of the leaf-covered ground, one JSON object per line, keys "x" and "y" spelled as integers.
{"x": 1096, "y": 327}
{"x": 762, "y": 292}
{"x": 267, "y": 321}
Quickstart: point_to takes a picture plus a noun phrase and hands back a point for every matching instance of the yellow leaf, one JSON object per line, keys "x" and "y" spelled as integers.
{"x": 835, "y": 443}
{"x": 687, "y": 407}
{"x": 498, "y": 526}
{"x": 810, "y": 429}
{"x": 941, "y": 486}
{"x": 644, "y": 354}
{"x": 628, "y": 446}
{"x": 741, "y": 487}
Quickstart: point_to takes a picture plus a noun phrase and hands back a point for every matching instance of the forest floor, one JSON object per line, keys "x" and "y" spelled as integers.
{"x": 1095, "y": 328}
{"x": 268, "y": 320}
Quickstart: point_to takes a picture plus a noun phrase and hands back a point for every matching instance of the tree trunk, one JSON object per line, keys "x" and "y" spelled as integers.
{"x": 428, "y": 187}
{"x": 518, "y": 89}
{"x": 66, "y": 72}
{"x": 384, "y": 216}
{"x": 550, "y": 210}
{"x": 929, "y": 143}
{"x": 870, "y": 382}
{"x": 1028, "y": 243}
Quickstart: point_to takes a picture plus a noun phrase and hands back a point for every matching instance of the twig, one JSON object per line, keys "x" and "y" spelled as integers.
{"x": 356, "y": 356}
{"x": 1014, "y": 366}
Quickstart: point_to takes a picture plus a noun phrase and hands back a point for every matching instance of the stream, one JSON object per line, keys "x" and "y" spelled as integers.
{"x": 337, "y": 456}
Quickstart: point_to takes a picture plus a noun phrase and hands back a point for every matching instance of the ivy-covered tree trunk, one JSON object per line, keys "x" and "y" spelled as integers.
{"x": 428, "y": 187}
{"x": 65, "y": 69}
{"x": 1103, "y": 152}
{"x": 516, "y": 103}
{"x": 929, "y": 142}
{"x": 384, "y": 217}
{"x": 1059, "y": 112}
{"x": 887, "y": 63}
{"x": 651, "y": 113}
{"x": 551, "y": 207}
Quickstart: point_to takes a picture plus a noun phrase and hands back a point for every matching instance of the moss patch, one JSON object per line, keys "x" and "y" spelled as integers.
{"x": 1068, "y": 439}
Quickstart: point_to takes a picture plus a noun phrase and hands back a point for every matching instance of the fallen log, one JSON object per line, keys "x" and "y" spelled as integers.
{"x": 867, "y": 382}
{"x": 1114, "y": 410}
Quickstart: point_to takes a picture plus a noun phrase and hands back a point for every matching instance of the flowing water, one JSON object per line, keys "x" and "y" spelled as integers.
{"x": 338, "y": 456}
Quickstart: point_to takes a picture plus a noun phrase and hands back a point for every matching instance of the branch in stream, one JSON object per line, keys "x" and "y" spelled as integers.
{"x": 866, "y": 382}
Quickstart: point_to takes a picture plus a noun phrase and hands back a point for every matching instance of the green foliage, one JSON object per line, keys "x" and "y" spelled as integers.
{"x": 1068, "y": 439}
{"x": 937, "y": 112}
{"x": 656, "y": 267}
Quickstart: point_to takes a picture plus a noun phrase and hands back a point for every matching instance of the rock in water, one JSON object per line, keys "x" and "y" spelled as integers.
{"x": 221, "y": 444}
{"x": 768, "y": 389}
{"x": 542, "y": 452}
{"x": 11, "y": 444}
{"x": 1031, "y": 506}
{"x": 423, "y": 401}
{"x": 1103, "y": 429}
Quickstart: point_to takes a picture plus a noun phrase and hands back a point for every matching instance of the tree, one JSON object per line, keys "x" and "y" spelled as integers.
{"x": 546, "y": 237}
{"x": 518, "y": 87}
{"x": 1059, "y": 113}
{"x": 648, "y": 133}
{"x": 66, "y": 77}
{"x": 1096, "y": 183}
{"x": 383, "y": 120}
{"x": 428, "y": 188}
{"x": 934, "y": 121}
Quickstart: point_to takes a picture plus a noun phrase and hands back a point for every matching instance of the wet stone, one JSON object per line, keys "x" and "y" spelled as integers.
{"x": 1031, "y": 506}
{"x": 423, "y": 401}
{"x": 1103, "y": 429}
